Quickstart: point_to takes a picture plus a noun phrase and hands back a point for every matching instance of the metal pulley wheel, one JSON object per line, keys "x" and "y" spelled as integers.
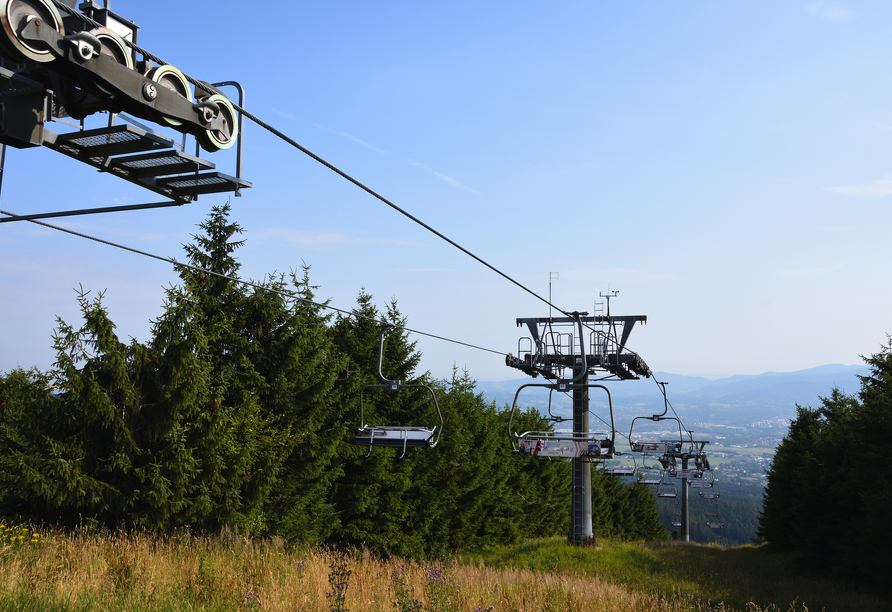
{"x": 15, "y": 15}
{"x": 223, "y": 138}
{"x": 114, "y": 47}
{"x": 171, "y": 78}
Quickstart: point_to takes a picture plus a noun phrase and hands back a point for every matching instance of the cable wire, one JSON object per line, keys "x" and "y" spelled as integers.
{"x": 205, "y": 87}
{"x": 290, "y": 294}
{"x": 330, "y": 166}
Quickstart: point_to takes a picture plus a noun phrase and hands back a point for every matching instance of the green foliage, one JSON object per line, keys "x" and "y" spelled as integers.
{"x": 238, "y": 413}
{"x": 403, "y": 593}
{"x": 700, "y": 577}
{"x": 441, "y": 589}
{"x": 339, "y": 582}
{"x": 825, "y": 497}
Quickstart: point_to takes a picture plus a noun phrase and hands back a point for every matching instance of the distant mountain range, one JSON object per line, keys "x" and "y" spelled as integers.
{"x": 736, "y": 400}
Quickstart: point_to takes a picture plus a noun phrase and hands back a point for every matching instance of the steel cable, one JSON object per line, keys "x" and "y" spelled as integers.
{"x": 289, "y": 294}
{"x": 332, "y": 167}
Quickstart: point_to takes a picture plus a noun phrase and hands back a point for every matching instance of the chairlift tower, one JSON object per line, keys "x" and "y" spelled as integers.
{"x": 581, "y": 345}
{"x": 692, "y": 450}
{"x": 684, "y": 449}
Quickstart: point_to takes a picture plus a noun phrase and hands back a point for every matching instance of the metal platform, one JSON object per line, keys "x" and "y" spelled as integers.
{"x": 144, "y": 158}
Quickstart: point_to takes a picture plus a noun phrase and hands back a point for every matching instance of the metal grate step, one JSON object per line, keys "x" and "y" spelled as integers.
{"x": 146, "y": 159}
{"x": 162, "y": 163}
{"x": 207, "y": 182}
{"x": 115, "y": 140}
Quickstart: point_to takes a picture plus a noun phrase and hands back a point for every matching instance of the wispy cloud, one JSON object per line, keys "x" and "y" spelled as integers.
{"x": 425, "y": 270}
{"x": 443, "y": 177}
{"x": 286, "y": 115}
{"x": 829, "y": 10}
{"x": 355, "y": 139}
{"x": 620, "y": 275}
{"x": 321, "y": 240}
{"x": 812, "y": 272}
{"x": 882, "y": 187}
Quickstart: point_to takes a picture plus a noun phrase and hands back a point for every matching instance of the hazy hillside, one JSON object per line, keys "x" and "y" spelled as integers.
{"x": 736, "y": 400}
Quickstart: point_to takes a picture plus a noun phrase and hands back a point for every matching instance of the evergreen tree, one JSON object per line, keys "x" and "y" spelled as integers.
{"x": 370, "y": 493}
{"x": 85, "y": 451}
{"x": 645, "y": 524}
{"x": 264, "y": 431}
{"x": 227, "y": 417}
{"x": 823, "y": 498}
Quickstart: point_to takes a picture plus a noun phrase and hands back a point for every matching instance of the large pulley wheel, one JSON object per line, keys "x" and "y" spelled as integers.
{"x": 114, "y": 47}
{"x": 174, "y": 80}
{"x": 225, "y": 137}
{"x": 15, "y": 15}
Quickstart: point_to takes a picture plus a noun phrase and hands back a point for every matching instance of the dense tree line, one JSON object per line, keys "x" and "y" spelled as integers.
{"x": 239, "y": 412}
{"x": 737, "y": 508}
{"x": 829, "y": 492}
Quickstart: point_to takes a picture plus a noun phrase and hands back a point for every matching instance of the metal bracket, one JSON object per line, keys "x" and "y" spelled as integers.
{"x": 86, "y": 45}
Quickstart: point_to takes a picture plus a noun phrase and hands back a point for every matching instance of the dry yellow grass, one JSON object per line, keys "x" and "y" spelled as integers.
{"x": 132, "y": 572}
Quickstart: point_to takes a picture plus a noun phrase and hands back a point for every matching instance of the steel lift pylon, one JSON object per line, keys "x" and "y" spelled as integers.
{"x": 560, "y": 344}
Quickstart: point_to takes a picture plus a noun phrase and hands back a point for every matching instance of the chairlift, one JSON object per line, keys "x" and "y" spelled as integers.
{"x": 715, "y": 521}
{"x": 622, "y": 470}
{"x": 706, "y": 481}
{"x": 676, "y": 522}
{"x": 667, "y": 488}
{"x": 648, "y": 475}
{"x": 690, "y": 475}
{"x": 589, "y": 445}
{"x": 592, "y": 445}
{"x": 661, "y": 447}
{"x": 712, "y": 493}
{"x": 395, "y": 435}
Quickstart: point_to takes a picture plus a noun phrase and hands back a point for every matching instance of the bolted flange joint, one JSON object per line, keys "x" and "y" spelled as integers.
{"x": 149, "y": 91}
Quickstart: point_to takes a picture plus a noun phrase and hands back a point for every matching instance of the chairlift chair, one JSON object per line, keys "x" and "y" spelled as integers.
{"x": 622, "y": 470}
{"x": 648, "y": 475}
{"x": 710, "y": 493}
{"x": 667, "y": 488}
{"x": 706, "y": 481}
{"x": 676, "y": 519}
{"x": 592, "y": 445}
{"x": 658, "y": 447}
{"x": 395, "y": 435}
{"x": 715, "y": 521}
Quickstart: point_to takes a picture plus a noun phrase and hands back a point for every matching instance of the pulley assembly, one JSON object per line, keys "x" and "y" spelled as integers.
{"x": 54, "y": 67}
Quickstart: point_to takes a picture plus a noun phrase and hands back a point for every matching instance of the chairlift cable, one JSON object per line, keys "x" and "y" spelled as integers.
{"x": 666, "y": 397}
{"x": 145, "y": 53}
{"x": 290, "y": 294}
{"x": 325, "y": 163}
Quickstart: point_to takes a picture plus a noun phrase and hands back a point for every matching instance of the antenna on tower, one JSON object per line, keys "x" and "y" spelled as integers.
{"x": 608, "y": 295}
{"x": 551, "y": 276}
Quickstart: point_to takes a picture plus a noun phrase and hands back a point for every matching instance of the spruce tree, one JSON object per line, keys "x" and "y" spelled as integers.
{"x": 263, "y": 432}
{"x": 371, "y": 493}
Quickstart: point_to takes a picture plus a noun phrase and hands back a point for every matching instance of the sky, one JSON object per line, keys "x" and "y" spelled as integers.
{"x": 727, "y": 167}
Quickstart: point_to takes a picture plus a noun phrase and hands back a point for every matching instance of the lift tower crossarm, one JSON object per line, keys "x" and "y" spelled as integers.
{"x": 625, "y": 365}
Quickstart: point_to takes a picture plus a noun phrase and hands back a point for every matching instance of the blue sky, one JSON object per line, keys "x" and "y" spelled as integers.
{"x": 726, "y": 166}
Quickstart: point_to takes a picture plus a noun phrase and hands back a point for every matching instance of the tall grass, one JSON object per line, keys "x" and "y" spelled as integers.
{"x": 709, "y": 577}
{"x": 133, "y": 572}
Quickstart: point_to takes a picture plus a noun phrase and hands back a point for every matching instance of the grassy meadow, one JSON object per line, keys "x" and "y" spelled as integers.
{"x": 51, "y": 572}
